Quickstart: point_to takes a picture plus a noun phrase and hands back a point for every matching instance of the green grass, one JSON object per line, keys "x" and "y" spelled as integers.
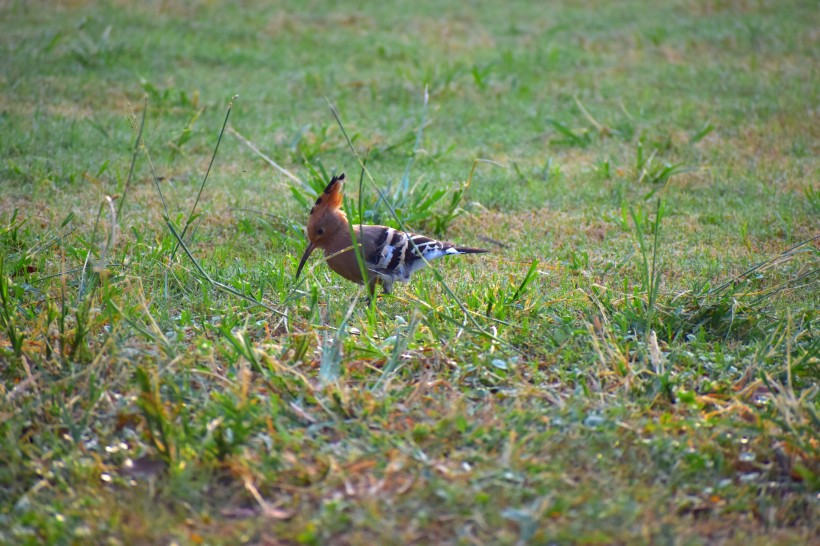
{"x": 618, "y": 370}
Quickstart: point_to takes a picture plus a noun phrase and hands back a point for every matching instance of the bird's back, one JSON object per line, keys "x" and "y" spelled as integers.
{"x": 393, "y": 254}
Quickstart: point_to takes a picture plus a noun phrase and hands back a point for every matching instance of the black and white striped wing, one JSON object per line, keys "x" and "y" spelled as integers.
{"x": 395, "y": 257}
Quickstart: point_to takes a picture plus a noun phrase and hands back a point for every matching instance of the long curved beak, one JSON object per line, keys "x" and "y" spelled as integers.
{"x": 305, "y": 256}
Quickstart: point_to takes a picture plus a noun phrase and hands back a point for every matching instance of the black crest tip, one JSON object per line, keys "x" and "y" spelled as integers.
{"x": 333, "y": 182}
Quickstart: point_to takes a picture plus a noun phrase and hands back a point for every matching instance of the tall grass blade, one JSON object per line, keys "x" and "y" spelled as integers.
{"x": 102, "y": 260}
{"x": 216, "y": 284}
{"x": 404, "y": 188}
{"x": 207, "y": 172}
{"x": 137, "y": 143}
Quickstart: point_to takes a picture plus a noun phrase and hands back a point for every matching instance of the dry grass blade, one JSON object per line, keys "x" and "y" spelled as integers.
{"x": 268, "y": 160}
{"x": 100, "y": 265}
{"x": 789, "y": 252}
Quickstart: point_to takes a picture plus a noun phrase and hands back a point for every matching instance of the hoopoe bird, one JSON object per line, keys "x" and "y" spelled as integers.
{"x": 389, "y": 254}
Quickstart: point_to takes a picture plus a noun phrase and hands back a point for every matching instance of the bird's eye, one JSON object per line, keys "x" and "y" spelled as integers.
{"x": 320, "y": 231}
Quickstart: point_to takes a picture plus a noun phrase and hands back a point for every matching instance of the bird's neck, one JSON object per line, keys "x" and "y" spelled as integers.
{"x": 341, "y": 235}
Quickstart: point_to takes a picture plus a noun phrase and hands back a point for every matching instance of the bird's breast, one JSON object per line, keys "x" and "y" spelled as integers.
{"x": 345, "y": 264}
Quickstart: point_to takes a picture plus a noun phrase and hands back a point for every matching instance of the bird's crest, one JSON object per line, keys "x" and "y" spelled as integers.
{"x": 331, "y": 198}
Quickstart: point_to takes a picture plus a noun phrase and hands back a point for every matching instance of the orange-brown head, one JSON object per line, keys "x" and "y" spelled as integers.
{"x": 327, "y": 222}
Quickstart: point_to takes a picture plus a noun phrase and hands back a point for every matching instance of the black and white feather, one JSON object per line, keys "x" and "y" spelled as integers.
{"x": 396, "y": 255}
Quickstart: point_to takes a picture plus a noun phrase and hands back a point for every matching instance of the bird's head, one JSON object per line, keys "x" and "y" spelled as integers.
{"x": 326, "y": 219}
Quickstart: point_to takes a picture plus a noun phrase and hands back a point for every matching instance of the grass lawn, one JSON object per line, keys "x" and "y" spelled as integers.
{"x": 635, "y": 362}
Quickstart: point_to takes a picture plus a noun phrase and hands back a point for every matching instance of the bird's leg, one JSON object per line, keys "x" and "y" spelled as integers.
{"x": 387, "y": 287}
{"x": 371, "y": 289}
{"x": 371, "y": 286}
